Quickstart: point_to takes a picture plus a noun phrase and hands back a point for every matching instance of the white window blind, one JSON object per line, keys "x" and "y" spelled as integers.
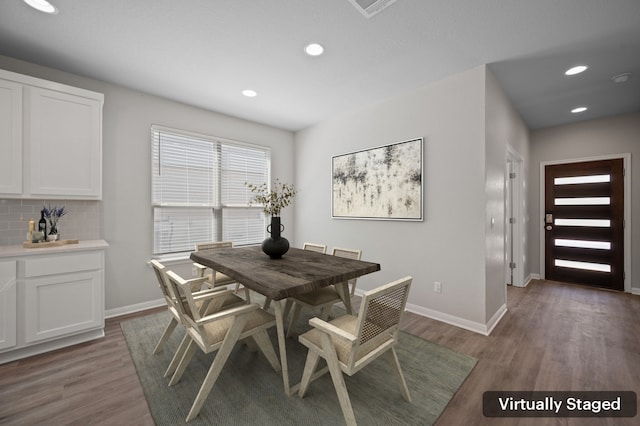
{"x": 243, "y": 223}
{"x": 199, "y": 192}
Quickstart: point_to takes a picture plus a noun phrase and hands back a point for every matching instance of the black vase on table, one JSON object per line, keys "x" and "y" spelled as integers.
{"x": 275, "y": 246}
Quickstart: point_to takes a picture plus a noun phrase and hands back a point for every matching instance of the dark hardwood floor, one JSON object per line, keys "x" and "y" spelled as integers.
{"x": 553, "y": 337}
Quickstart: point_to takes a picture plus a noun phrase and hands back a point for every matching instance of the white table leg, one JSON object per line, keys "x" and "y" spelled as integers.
{"x": 343, "y": 292}
{"x": 277, "y": 307}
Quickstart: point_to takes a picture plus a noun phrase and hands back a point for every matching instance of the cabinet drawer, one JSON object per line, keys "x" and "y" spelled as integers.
{"x": 63, "y": 264}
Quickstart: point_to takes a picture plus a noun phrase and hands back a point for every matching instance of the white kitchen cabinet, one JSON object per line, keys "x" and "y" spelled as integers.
{"x": 58, "y": 131}
{"x": 8, "y": 318}
{"x": 63, "y": 139}
{"x": 62, "y": 295}
{"x": 51, "y": 298}
{"x": 10, "y": 138}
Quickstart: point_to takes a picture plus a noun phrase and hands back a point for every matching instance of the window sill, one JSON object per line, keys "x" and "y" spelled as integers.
{"x": 173, "y": 258}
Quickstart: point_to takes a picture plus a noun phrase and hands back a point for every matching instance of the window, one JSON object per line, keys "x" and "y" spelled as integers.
{"x": 199, "y": 192}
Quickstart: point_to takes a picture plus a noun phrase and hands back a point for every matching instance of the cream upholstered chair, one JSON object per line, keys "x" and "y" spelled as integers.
{"x": 320, "y": 248}
{"x": 218, "y": 331}
{"x": 216, "y": 278}
{"x": 161, "y": 275}
{"x": 349, "y": 343}
{"x": 322, "y": 299}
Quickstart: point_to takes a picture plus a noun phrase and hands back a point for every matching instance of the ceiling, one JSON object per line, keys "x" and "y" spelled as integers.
{"x": 205, "y": 52}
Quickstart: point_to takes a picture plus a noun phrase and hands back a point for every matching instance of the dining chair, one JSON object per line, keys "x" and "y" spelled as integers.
{"x": 320, "y": 248}
{"x": 194, "y": 284}
{"x": 215, "y": 329}
{"x": 349, "y": 254}
{"x": 350, "y": 343}
{"x": 322, "y": 299}
{"x": 217, "y": 278}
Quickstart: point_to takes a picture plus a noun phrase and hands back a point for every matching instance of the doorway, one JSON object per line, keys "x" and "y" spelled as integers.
{"x": 584, "y": 212}
{"x": 515, "y": 220}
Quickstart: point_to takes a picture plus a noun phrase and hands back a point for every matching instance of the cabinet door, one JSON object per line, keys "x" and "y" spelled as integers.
{"x": 58, "y": 305}
{"x": 64, "y": 142}
{"x": 10, "y": 138}
{"x": 7, "y": 304}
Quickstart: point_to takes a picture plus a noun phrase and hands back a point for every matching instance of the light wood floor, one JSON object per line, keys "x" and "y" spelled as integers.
{"x": 553, "y": 337}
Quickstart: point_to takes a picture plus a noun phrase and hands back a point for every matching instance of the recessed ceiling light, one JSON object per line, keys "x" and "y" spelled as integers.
{"x": 621, "y": 78}
{"x": 578, "y": 110}
{"x": 576, "y": 70}
{"x": 42, "y": 6}
{"x": 313, "y": 49}
{"x": 250, "y": 93}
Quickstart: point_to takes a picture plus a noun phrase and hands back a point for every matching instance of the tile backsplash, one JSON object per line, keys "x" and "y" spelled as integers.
{"x": 82, "y": 222}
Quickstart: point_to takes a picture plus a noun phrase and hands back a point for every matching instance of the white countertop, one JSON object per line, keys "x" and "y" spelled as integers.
{"x": 19, "y": 251}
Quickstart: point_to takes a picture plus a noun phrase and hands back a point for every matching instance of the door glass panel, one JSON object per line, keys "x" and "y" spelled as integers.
{"x": 598, "y": 223}
{"x": 584, "y": 201}
{"x": 599, "y": 245}
{"x": 583, "y": 265}
{"x": 581, "y": 179}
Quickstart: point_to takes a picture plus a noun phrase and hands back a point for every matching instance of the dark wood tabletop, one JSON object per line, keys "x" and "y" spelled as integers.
{"x": 299, "y": 271}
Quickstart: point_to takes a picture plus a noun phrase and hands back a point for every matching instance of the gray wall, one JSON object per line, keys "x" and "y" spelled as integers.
{"x": 505, "y": 129}
{"x": 464, "y": 188}
{"x": 128, "y": 116}
{"x": 603, "y": 137}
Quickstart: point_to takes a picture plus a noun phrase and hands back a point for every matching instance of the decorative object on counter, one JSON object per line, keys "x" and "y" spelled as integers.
{"x": 53, "y": 215}
{"x": 42, "y": 223}
{"x": 32, "y": 228}
{"x": 37, "y": 237}
{"x": 273, "y": 200}
{"x": 49, "y": 244}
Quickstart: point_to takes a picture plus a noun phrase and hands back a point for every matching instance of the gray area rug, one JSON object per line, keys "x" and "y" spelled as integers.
{"x": 249, "y": 392}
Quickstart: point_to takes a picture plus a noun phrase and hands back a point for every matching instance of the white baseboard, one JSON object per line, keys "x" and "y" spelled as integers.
{"x": 635, "y": 291}
{"x": 52, "y": 345}
{"x": 124, "y": 310}
{"x": 530, "y": 278}
{"x": 495, "y": 319}
{"x": 484, "y": 329}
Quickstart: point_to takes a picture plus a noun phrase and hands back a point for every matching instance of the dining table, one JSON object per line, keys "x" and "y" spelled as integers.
{"x": 297, "y": 272}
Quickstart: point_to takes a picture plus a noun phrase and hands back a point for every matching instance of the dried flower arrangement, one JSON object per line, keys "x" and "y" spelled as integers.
{"x": 275, "y": 199}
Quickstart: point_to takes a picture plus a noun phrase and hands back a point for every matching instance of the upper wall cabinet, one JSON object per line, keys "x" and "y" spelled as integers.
{"x": 50, "y": 139}
{"x": 10, "y": 138}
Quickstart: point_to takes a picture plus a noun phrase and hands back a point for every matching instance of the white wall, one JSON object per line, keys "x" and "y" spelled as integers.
{"x": 466, "y": 122}
{"x": 504, "y": 128}
{"x": 607, "y": 136}
{"x": 449, "y": 246}
{"x": 128, "y": 116}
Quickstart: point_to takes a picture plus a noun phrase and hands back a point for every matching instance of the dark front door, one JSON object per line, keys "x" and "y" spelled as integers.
{"x": 584, "y": 223}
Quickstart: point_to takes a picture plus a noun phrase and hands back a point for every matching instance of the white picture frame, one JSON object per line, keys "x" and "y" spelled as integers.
{"x": 381, "y": 183}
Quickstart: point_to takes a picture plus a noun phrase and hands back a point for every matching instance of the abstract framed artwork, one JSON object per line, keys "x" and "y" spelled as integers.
{"x": 382, "y": 183}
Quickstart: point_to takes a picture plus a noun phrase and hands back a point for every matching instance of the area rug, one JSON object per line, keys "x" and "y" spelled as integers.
{"x": 250, "y": 392}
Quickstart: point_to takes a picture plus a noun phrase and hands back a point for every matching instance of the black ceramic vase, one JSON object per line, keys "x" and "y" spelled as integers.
{"x": 275, "y": 246}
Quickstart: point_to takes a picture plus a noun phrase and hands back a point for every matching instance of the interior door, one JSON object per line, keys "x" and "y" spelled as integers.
{"x": 584, "y": 223}
{"x": 510, "y": 262}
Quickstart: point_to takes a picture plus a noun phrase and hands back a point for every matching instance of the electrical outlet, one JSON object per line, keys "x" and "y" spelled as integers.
{"x": 437, "y": 286}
